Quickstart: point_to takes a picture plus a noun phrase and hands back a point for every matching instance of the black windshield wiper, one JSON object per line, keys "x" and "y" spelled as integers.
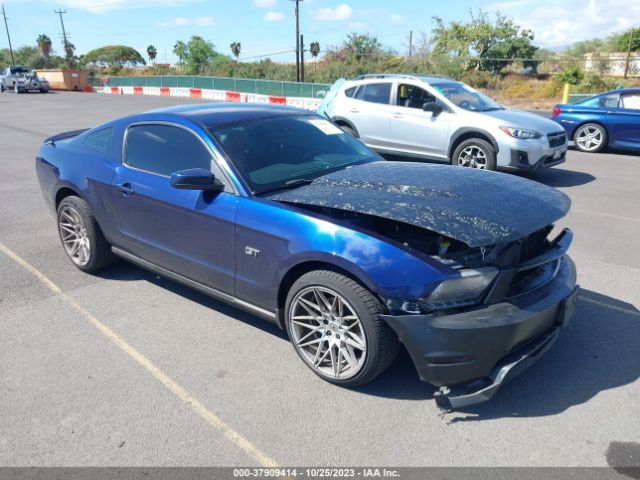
{"x": 298, "y": 182}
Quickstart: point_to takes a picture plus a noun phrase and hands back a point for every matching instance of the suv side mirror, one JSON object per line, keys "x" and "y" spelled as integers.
{"x": 433, "y": 107}
{"x": 196, "y": 179}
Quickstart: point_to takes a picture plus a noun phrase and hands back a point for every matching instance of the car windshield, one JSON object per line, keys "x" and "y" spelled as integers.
{"x": 19, "y": 71}
{"x": 466, "y": 97}
{"x": 283, "y": 152}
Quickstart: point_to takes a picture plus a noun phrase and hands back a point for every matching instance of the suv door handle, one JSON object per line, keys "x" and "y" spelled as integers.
{"x": 126, "y": 188}
{"x": 398, "y": 115}
{"x": 355, "y": 110}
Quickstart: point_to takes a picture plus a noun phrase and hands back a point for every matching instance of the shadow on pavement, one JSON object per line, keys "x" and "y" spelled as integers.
{"x": 599, "y": 350}
{"x": 558, "y": 177}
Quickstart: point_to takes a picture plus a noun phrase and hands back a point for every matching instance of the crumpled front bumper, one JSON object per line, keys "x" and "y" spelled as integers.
{"x": 471, "y": 354}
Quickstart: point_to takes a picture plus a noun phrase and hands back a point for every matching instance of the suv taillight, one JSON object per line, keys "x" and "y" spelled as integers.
{"x": 556, "y": 111}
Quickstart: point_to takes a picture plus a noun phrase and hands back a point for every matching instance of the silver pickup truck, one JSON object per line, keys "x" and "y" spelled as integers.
{"x": 22, "y": 79}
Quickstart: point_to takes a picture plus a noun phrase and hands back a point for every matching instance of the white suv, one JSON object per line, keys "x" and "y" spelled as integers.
{"x": 440, "y": 119}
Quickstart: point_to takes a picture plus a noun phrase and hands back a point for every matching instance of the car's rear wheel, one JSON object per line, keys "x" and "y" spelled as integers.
{"x": 334, "y": 325}
{"x": 475, "y": 153}
{"x": 81, "y": 236}
{"x": 591, "y": 138}
{"x": 16, "y": 89}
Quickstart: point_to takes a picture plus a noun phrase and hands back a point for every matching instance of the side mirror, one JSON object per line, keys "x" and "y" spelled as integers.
{"x": 196, "y": 179}
{"x": 433, "y": 107}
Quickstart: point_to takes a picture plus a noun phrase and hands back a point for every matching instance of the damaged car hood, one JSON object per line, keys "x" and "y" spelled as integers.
{"x": 476, "y": 207}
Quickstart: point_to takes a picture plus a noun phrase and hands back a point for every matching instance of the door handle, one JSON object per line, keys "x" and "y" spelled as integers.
{"x": 398, "y": 115}
{"x": 355, "y": 110}
{"x": 126, "y": 188}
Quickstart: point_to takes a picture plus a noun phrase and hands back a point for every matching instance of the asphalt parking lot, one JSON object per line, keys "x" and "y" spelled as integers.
{"x": 175, "y": 378}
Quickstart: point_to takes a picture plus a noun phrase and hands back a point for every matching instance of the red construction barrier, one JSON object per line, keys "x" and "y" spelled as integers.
{"x": 195, "y": 93}
{"x": 88, "y": 89}
{"x": 137, "y": 90}
{"x": 164, "y": 91}
{"x": 232, "y": 97}
{"x": 115, "y": 90}
{"x": 278, "y": 100}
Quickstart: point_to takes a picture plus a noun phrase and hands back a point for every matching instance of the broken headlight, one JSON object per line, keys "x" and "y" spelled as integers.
{"x": 460, "y": 292}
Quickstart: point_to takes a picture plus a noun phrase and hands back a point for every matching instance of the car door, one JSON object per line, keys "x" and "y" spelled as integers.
{"x": 414, "y": 131}
{"x": 369, "y": 111}
{"x": 625, "y": 120}
{"x": 189, "y": 232}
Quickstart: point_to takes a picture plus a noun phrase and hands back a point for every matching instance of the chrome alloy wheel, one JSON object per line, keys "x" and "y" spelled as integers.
{"x": 327, "y": 333}
{"x": 589, "y": 138}
{"x": 73, "y": 233}
{"x": 473, "y": 157}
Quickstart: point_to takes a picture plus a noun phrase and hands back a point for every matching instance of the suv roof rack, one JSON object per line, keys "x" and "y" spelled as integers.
{"x": 398, "y": 75}
{"x": 386, "y": 75}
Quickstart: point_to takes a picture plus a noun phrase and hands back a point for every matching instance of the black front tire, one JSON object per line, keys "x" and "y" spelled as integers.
{"x": 381, "y": 342}
{"x": 100, "y": 251}
{"x": 475, "y": 143}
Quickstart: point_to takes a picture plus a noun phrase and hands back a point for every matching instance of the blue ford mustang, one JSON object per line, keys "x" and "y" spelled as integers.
{"x": 611, "y": 119}
{"x": 277, "y": 211}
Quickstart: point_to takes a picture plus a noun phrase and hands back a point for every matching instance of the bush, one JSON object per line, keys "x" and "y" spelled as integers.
{"x": 480, "y": 79}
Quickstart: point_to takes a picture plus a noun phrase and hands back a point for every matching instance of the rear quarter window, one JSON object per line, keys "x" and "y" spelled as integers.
{"x": 99, "y": 141}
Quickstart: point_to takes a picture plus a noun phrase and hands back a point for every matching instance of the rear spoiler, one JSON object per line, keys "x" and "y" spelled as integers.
{"x": 63, "y": 135}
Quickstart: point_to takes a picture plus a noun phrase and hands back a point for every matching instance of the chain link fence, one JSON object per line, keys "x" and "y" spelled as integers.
{"x": 243, "y": 85}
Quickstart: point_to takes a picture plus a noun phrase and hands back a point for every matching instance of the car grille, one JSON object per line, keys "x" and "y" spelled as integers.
{"x": 530, "y": 279}
{"x": 557, "y": 139}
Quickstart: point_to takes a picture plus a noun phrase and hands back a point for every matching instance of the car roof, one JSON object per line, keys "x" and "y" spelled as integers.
{"x": 216, "y": 114}
{"x": 405, "y": 76}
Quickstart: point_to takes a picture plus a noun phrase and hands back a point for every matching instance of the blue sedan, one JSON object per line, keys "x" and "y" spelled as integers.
{"x": 277, "y": 211}
{"x": 611, "y": 119}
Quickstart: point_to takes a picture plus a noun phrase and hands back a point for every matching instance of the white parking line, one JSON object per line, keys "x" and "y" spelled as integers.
{"x": 233, "y": 436}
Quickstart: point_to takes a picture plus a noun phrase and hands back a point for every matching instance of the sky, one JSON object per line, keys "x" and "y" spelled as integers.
{"x": 267, "y": 27}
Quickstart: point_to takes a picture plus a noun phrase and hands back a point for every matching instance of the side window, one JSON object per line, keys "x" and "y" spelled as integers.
{"x": 350, "y": 91}
{"x": 630, "y": 101}
{"x": 609, "y": 101}
{"x": 377, "y": 92}
{"x": 411, "y": 96}
{"x": 163, "y": 149}
{"x": 99, "y": 141}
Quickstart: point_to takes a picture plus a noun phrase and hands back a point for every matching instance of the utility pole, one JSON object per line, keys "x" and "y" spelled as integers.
{"x": 410, "y": 43}
{"x": 13, "y": 62}
{"x": 626, "y": 65}
{"x": 64, "y": 36}
{"x": 302, "y": 58}
{"x": 297, "y": 15}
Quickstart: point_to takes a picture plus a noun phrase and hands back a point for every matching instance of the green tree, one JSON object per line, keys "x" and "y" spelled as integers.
{"x": 44, "y": 45}
{"x": 180, "y": 51}
{"x": 114, "y": 56}
{"x": 314, "y": 48}
{"x": 358, "y": 47}
{"x": 152, "y": 52}
{"x": 571, "y": 75}
{"x": 199, "y": 54}
{"x": 623, "y": 40}
{"x": 483, "y": 43}
{"x": 235, "y": 49}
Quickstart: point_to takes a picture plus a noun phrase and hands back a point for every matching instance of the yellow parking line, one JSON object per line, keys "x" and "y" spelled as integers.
{"x": 234, "y": 437}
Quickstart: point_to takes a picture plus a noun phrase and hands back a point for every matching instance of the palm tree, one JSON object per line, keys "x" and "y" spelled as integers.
{"x": 314, "y": 48}
{"x": 44, "y": 45}
{"x": 235, "y": 49}
{"x": 151, "y": 53}
{"x": 180, "y": 50}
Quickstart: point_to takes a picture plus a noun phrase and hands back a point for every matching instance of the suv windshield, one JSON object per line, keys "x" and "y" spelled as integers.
{"x": 466, "y": 97}
{"x": 283, "y": 152}
{"x": 19, "y": 71}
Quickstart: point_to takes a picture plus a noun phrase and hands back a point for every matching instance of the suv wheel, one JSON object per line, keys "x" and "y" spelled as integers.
{"x": 475, "y": 153}
{"x": 335, "y": 327}
{"x": 351, "y": 131}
